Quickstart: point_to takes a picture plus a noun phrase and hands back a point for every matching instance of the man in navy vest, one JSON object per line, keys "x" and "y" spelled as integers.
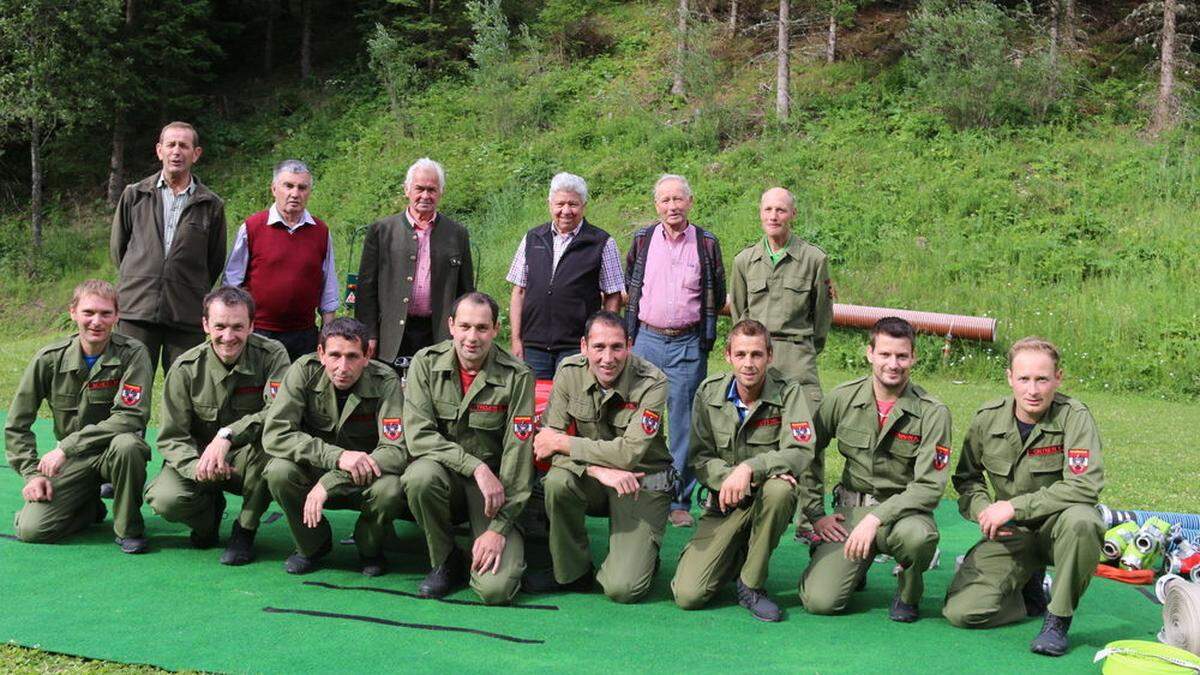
{"x": 284, "y": 257}
{"x": 563, "y": 272}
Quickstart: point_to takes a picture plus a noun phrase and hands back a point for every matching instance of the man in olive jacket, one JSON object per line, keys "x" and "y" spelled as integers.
{"x": 168, "y": 243}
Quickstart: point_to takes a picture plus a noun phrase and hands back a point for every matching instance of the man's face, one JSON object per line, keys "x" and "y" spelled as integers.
{"x": 1034, "y": 381}
{"x": 473, "y": 329}
{"x": 423, "y": 192}
{"x": 177, "y": 151}
{"x": 291, "y": 192}
{"x": 607, "y": 351}
{"x": 344, "y": 360}
{"x": 776, "y": 213}
{"x": 749, "y": 355}
{"x": 672, "y": 203}
{"x": 228, "y": 327}
{"x": 95, "y": 316}
{"x": 566, "y": 210}
{"x": 891, "y": 360}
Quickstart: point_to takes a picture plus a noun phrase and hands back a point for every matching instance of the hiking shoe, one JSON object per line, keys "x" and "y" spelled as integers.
{"x": 239, "y": 550}
{"x": 445, "y": 578}
{"x": 374, "y": 566}
{"x": 543, "y": 581}
{"x": 298, "y": 563}
{"x": 1052, "y": 641}
{"x": 209, "y": 538}
{"x": 106, "y": 490}
{"x": 902, "y": 611}
{"x": 1034, "y": 594}
{"x": 758, "y": 602}
{"x": 132, "y": 544}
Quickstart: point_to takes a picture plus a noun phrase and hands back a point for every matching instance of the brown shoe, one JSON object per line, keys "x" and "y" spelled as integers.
{"x": 681, "y": 518}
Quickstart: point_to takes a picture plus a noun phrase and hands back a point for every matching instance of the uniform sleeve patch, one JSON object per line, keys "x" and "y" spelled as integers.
{"x": 1077, "y": 459}
{"x": 941, "y": 457}
{"x": 650, "y": 422}
{"x": 802, "y": 432}
{"x": 131, "y": 394}
{"x": 393, "y": 428}
{"x": 273, "y": 388}
{"x": 911, "y": 438}
{"x": 522, "y": 427}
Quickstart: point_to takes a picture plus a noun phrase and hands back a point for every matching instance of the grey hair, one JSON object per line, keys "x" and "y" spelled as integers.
{"x": 569, "y": 182}
{"x": 291, "y": 166}
{"x": 687, "y": 189}
{"x": 426, "y": 164}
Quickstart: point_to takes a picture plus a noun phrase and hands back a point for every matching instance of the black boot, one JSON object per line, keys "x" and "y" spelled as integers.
{"x": 240, "y": 548}
{"x": 1052, "y": 641}
{"x": 1034, "y": 594}
{"x": 373, "y": 566}
{"x": 298, "y": 563}
{"x": 758, "y": 602}
{"x": 543, "y": 581}
{"x": 209, "y": 538}
{"x": 445, "y": 578}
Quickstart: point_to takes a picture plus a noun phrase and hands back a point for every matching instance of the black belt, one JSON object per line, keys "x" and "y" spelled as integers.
{"x": 671, "y": 332}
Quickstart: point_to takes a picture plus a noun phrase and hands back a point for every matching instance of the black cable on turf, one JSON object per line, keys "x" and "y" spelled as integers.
{"x": 406, "y": 594}
{"x": 401, "y": 624}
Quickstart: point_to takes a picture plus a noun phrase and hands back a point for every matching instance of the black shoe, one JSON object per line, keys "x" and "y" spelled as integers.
{"x": 862, "y": 584}
{"x": 209, "y": 539}
{"x": 758, "y": 602}
{"x": 132, "y": 544}
{"x": 375, "y": 566}
{"x": 1034, "y": 594}
{"x": 902, "y": 611}
{"x": 298, "y": 563}
{"x": 239, "y": 550}
{"x": 543, "y": 581}
{"x": 1052, "y": 641}
{"x": 445, "y": 578}
{"x": 101, "y": 511}
{"x": 106, "y": 490}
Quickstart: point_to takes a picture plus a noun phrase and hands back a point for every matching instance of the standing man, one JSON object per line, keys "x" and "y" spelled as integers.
{"x": 335, "y": 434}
{"x": 676, "y": 287}
{"x": 562, "y": 273}
{"x": 97, "y": 386}
{"x": 168, "y": 243}
{"x": 1040, "y": 451}
{"x": 414, "y": 265}
{"x": 752, "y": 437}
{"x": 211, "y": 439}
{"x": 896, "y": 441}
{"x": 284, "y": 257}
{"x": 469, "y": 408}
{"x": 783, "y": 281}
{"x": 604, "y": 423}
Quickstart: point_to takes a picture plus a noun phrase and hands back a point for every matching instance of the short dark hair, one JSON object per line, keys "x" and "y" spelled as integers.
{"x": 230, "y": 296}
{"x": 477, "y": 298}
{"x": 893, "y": 326}
{"x": 748, "y": 328}
{"x": 1033, "y": 343}
{"x": 347, "y": 329}
{"x": 605, "y": 318}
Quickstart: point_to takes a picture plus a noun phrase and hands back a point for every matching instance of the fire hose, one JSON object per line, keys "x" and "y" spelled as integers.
{"x": 1181, "y": 612}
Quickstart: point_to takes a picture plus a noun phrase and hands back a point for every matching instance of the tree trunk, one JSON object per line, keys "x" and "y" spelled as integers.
{"x": 116, "y": 161}
{"x": 269, "y": 40}
{"x": 306, "y": 39}
{"x": 733, "y": 12}
{"x": 677, "y": 86}
{"x": 783, "y": 101}
{"x": 831, "y": 39}
{"x": 1068, "y": 25}
{"x": 35, "y": 181}
{"x": 1165, "y": 105}
{"x": 1054, "y": 24}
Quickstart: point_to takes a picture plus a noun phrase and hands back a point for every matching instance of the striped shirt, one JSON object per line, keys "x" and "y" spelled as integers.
{"x": 173, "y": 205}
{"x": 612, "y": 279}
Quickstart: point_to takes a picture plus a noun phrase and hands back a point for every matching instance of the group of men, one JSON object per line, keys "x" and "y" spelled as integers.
{"x": 260, "y": 402}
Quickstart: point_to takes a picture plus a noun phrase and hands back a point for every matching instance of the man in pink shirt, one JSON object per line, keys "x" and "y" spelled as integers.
{"x": 676, "y": 285}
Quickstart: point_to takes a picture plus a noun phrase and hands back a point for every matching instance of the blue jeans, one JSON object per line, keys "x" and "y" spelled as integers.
{"x": 685, "y": 366}
{"x": 544, "y": 363}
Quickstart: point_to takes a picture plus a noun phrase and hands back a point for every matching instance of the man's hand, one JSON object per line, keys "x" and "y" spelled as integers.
{"x": 624, "y": 482}
{"x": 516, "y": 346}
{"x": 858, "y": 544}
{"x": 830, "y": 528}
{"x": 993, "y": 519}
{"x": 362, "y": 467}
{"x": 314, "y": 504}
{"x": 485, "y": 554}
{"x": 38, "y": 490}
{"x": 735, "y": 487}
{"x": 492, "y": 489}
{"x": 211, "y": 465}
{"x": 52, "y": 462}
{"x": 548, "y": 442}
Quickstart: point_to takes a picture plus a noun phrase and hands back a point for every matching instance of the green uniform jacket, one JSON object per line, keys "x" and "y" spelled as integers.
{"x": 166, "y": 288}
{"x": 1058, "y": 466}
{"x": 491, "y": 424}
{"x": 90, "y": 407}
{"x": 202, "y": 395}
{"x": 903, "y": 465}
{"x": 793, "y": 299}
{"x": 620, "y": 428}
{"x": 303, "y": 424}
{"x": 777, "y": 436}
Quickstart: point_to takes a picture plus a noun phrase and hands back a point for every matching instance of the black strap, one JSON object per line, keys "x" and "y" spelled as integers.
{"x": 406, "y": 594}
{"x": 401, "y": 624}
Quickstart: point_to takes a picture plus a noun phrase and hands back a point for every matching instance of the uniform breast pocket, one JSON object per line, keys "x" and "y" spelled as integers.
{"x": 65, "y": 402}
{"x": 447, "y": 415}
{"x": 317, "y": 419}
{"x": 997, "y": 463}
{"x": 584, "y": 416}
{"x": 756, "y": 285}
{"x": 1048, "y": 463}
{"x": 903, "y": 457}
{"x": 622, "y": 419}
{"x": 487, "y": 421}
{"x": 855, "y": 446}
{"x": 205, "y": 413}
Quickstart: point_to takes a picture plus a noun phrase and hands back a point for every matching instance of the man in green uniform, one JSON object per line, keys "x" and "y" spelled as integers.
{"x": 603, "y": 429}
{"x": 783, "y": 281}
{"x": 97, "y": 385}
{"x": 896, "y": 441}
{"x": 211, "y": 439}
{"x": 752, "y": 436}
{"x": 469, "y": 408}
{"x": 1040, "y": 451}
{"x": 335, "y": 434}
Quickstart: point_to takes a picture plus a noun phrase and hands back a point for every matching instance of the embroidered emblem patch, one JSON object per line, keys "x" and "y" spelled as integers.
{"x": 273, "y": 388}
{"x": 1077, "y": 459}
{"x": 941, "y": 457}
{"x": 522, "y": 427}
{"x": 802, "y": 432}
{"x": 911, "y": 438}
{"x": 131, "y": 394}
{"x": 393, "y": 428}
{"x": 650, "y": 422}
{"x": 767, "y": 422}
{"x": 1045, "y": 450}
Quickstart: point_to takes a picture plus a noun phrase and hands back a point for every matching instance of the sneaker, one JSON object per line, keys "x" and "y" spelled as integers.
{"x": 445, "y": 578}
{"x": 758, "y": 602}
{"x": 374, "y": 566}
{"x": 239, "y": 550}
{"x": 681, "y": 518}
{"x": 902, "y": 611}
{"x": 543, "y": 581}
{"x": 209, "y": 539}
{"x": 1034, "y": 594}
{"x": 1052, "y": 641}
{"x": 298, "y": 563}
{"x": 132, "y": 544}
{"x": 106, "y": 490}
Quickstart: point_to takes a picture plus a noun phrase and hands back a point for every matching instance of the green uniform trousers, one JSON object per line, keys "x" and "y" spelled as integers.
{"x": 440, "y": 499}
{"x": 797, "y": 360}
{"x": 183, "y": 500}
{"x": 76, "y": 500}
{"x": 743, "y": 538}
{"x": 830, "y": 579}
{"x": 635, "y": 533}
{"x": 378, "y": 505}
{"x": 986, "y": 590}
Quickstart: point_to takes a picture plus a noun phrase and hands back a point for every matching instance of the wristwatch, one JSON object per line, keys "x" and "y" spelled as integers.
{"x": 225, "y": 433}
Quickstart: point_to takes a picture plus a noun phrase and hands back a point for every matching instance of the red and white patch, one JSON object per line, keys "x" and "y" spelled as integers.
{"x": 802, "y": 432}
{"x": 651, "y": 422}
{"x": 131, "y": 394}
{"x": 941, "y": 457}
{"x": 522, "y": 427}
{"x": 393, "y": 428}
{"x": 273, "y": 388}
{"x": 1077, "y": 459}
{"x": 911, "y": 438}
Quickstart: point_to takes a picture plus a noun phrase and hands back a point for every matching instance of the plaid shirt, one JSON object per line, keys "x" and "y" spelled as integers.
{"x": 612, "y": 280}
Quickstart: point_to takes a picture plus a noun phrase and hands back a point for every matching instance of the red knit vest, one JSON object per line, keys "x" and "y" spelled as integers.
{"x": 284, "y": 272}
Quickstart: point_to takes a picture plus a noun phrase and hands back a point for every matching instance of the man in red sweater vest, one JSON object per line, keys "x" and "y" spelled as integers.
{"x": 284, "y": 257}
